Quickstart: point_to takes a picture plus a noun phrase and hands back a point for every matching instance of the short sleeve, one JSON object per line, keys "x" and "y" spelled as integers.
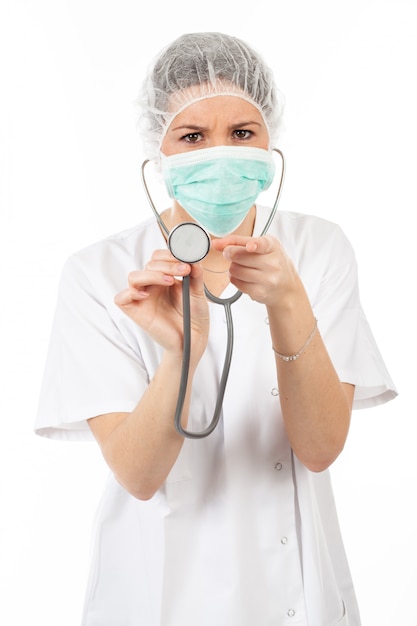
{"x": 94, "y": 364}
{"x": 345, "y": 329}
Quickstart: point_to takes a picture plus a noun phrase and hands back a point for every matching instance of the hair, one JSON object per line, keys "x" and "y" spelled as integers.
{"x": 201, "y": 65}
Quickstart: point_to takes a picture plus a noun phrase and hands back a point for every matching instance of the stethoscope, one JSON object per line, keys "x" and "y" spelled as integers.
{"x": 190, "y": 243}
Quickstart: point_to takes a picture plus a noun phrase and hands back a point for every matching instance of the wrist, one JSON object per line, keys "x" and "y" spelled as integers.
{"x": 291, "y": 323}
{"x": 173, "y": 360}
{"x": 294, "y": 356}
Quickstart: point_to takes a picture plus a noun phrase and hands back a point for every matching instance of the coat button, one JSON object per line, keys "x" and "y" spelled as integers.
{"x": 274, "y": 391}
{"x": 290, "y": 612}
{"x": 284, "y": 540}
{"x": 278, "y": 466}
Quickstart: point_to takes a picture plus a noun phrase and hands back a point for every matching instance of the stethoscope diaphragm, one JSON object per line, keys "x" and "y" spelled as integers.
{"x": 189, "y": 242}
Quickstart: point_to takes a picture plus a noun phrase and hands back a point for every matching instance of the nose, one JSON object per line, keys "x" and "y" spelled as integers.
{"x": 219, "y": 138}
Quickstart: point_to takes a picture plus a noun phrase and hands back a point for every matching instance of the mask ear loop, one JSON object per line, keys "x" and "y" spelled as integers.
{"x": 226, "y": 302}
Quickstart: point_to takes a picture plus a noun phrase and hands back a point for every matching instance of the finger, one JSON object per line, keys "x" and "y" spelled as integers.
{"x": 196, "y": 271}
{"x": 197, "y": 279}
{"x": 232, "y": 245}
{"x": 163, "y": 261}
{"x": 159, "y": 274}
{"x": 129, "y": 296}
{"x": 235, "y": 248}
{"x": 162, "y": 255}
{"x": 231, "y": 240}
{"x": 170, "y": 267}
{"x": 261, "y": 245}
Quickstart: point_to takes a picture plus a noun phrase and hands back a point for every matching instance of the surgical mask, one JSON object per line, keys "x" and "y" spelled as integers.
{"x": 218, "y": 186}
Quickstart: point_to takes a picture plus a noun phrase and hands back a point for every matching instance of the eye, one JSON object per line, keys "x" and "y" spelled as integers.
{"x": 242, "y": 134}
{"x": 191, "y": 137}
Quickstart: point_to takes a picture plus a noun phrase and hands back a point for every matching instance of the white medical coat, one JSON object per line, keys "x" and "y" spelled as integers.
{"x": 241, "y": 533}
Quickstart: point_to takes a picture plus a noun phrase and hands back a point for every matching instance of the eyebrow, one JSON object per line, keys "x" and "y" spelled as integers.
{"x": 188, "y": 127}
{"x": 247, "y": 123}
{"x": 195, "y": 127}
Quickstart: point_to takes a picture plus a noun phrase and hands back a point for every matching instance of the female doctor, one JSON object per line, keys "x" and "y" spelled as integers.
{"x": 237, "y": 528}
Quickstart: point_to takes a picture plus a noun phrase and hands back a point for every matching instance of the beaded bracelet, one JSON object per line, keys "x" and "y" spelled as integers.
{"x": 294, "y": 357}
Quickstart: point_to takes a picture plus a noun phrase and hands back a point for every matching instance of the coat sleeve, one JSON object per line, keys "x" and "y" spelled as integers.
{"x": 94, "y": 363}
{"x": 345, "y": 329}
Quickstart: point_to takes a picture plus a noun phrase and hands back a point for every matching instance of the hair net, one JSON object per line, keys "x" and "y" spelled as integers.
{"x": 202, "y": 65}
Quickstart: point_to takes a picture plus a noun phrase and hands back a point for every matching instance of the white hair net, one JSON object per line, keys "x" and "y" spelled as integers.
{"x": 202, "y": 65}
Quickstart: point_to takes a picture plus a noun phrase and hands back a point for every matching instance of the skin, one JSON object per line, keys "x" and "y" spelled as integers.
{"x": 141, "y": 447}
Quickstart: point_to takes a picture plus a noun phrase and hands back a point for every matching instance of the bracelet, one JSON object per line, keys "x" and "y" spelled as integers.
{"x": 294, "y": 357}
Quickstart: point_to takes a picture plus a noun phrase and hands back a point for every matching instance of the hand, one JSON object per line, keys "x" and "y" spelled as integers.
{"x": 154, "y": 301}
{"x": 261, "y": 268}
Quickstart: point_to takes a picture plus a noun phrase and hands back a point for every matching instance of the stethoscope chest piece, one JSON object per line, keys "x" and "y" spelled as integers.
{"x": 189, "y": 242}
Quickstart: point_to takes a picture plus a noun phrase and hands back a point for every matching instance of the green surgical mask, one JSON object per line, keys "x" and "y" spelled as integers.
{"x": 218, "y": 186}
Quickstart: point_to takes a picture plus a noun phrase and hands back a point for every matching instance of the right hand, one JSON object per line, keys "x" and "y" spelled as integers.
{"x": 153, "y": 300}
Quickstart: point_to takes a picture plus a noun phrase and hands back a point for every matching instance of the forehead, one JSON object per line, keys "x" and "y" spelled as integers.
{"x": 230, "y": 108}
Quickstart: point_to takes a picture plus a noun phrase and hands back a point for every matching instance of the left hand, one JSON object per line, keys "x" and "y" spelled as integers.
{"x": 261, "y": 268}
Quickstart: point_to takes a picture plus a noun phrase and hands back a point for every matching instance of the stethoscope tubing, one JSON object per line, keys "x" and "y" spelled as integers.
{"x": 186, "y": 365}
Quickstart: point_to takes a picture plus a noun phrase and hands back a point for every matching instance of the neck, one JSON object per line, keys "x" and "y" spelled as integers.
{"x": 214, "y": 264}
{"x": 176, "y": 215}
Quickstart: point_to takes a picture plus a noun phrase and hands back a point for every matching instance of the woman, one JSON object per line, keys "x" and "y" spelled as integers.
{"x": 238, "y": 528}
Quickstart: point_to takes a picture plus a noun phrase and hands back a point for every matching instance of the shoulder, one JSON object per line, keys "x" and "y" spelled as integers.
{"x": 120, "y": 252}
{"x": 318, "y": 247}
{"x": 293, "y": 223}
{"x": 128, "y": 242}
{"x": 303, "y": 235}
{"x": 101, "y": 269}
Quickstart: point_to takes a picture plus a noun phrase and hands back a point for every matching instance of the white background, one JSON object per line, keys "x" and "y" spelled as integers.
{"x": 69, "y": 159}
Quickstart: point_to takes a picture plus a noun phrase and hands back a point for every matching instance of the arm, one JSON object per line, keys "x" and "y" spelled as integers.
{"x": 316, "y": 406}
{"x": 141, "y": 447}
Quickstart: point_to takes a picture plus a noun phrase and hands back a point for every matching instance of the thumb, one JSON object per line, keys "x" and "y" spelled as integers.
{"x": 196, "y": 278}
